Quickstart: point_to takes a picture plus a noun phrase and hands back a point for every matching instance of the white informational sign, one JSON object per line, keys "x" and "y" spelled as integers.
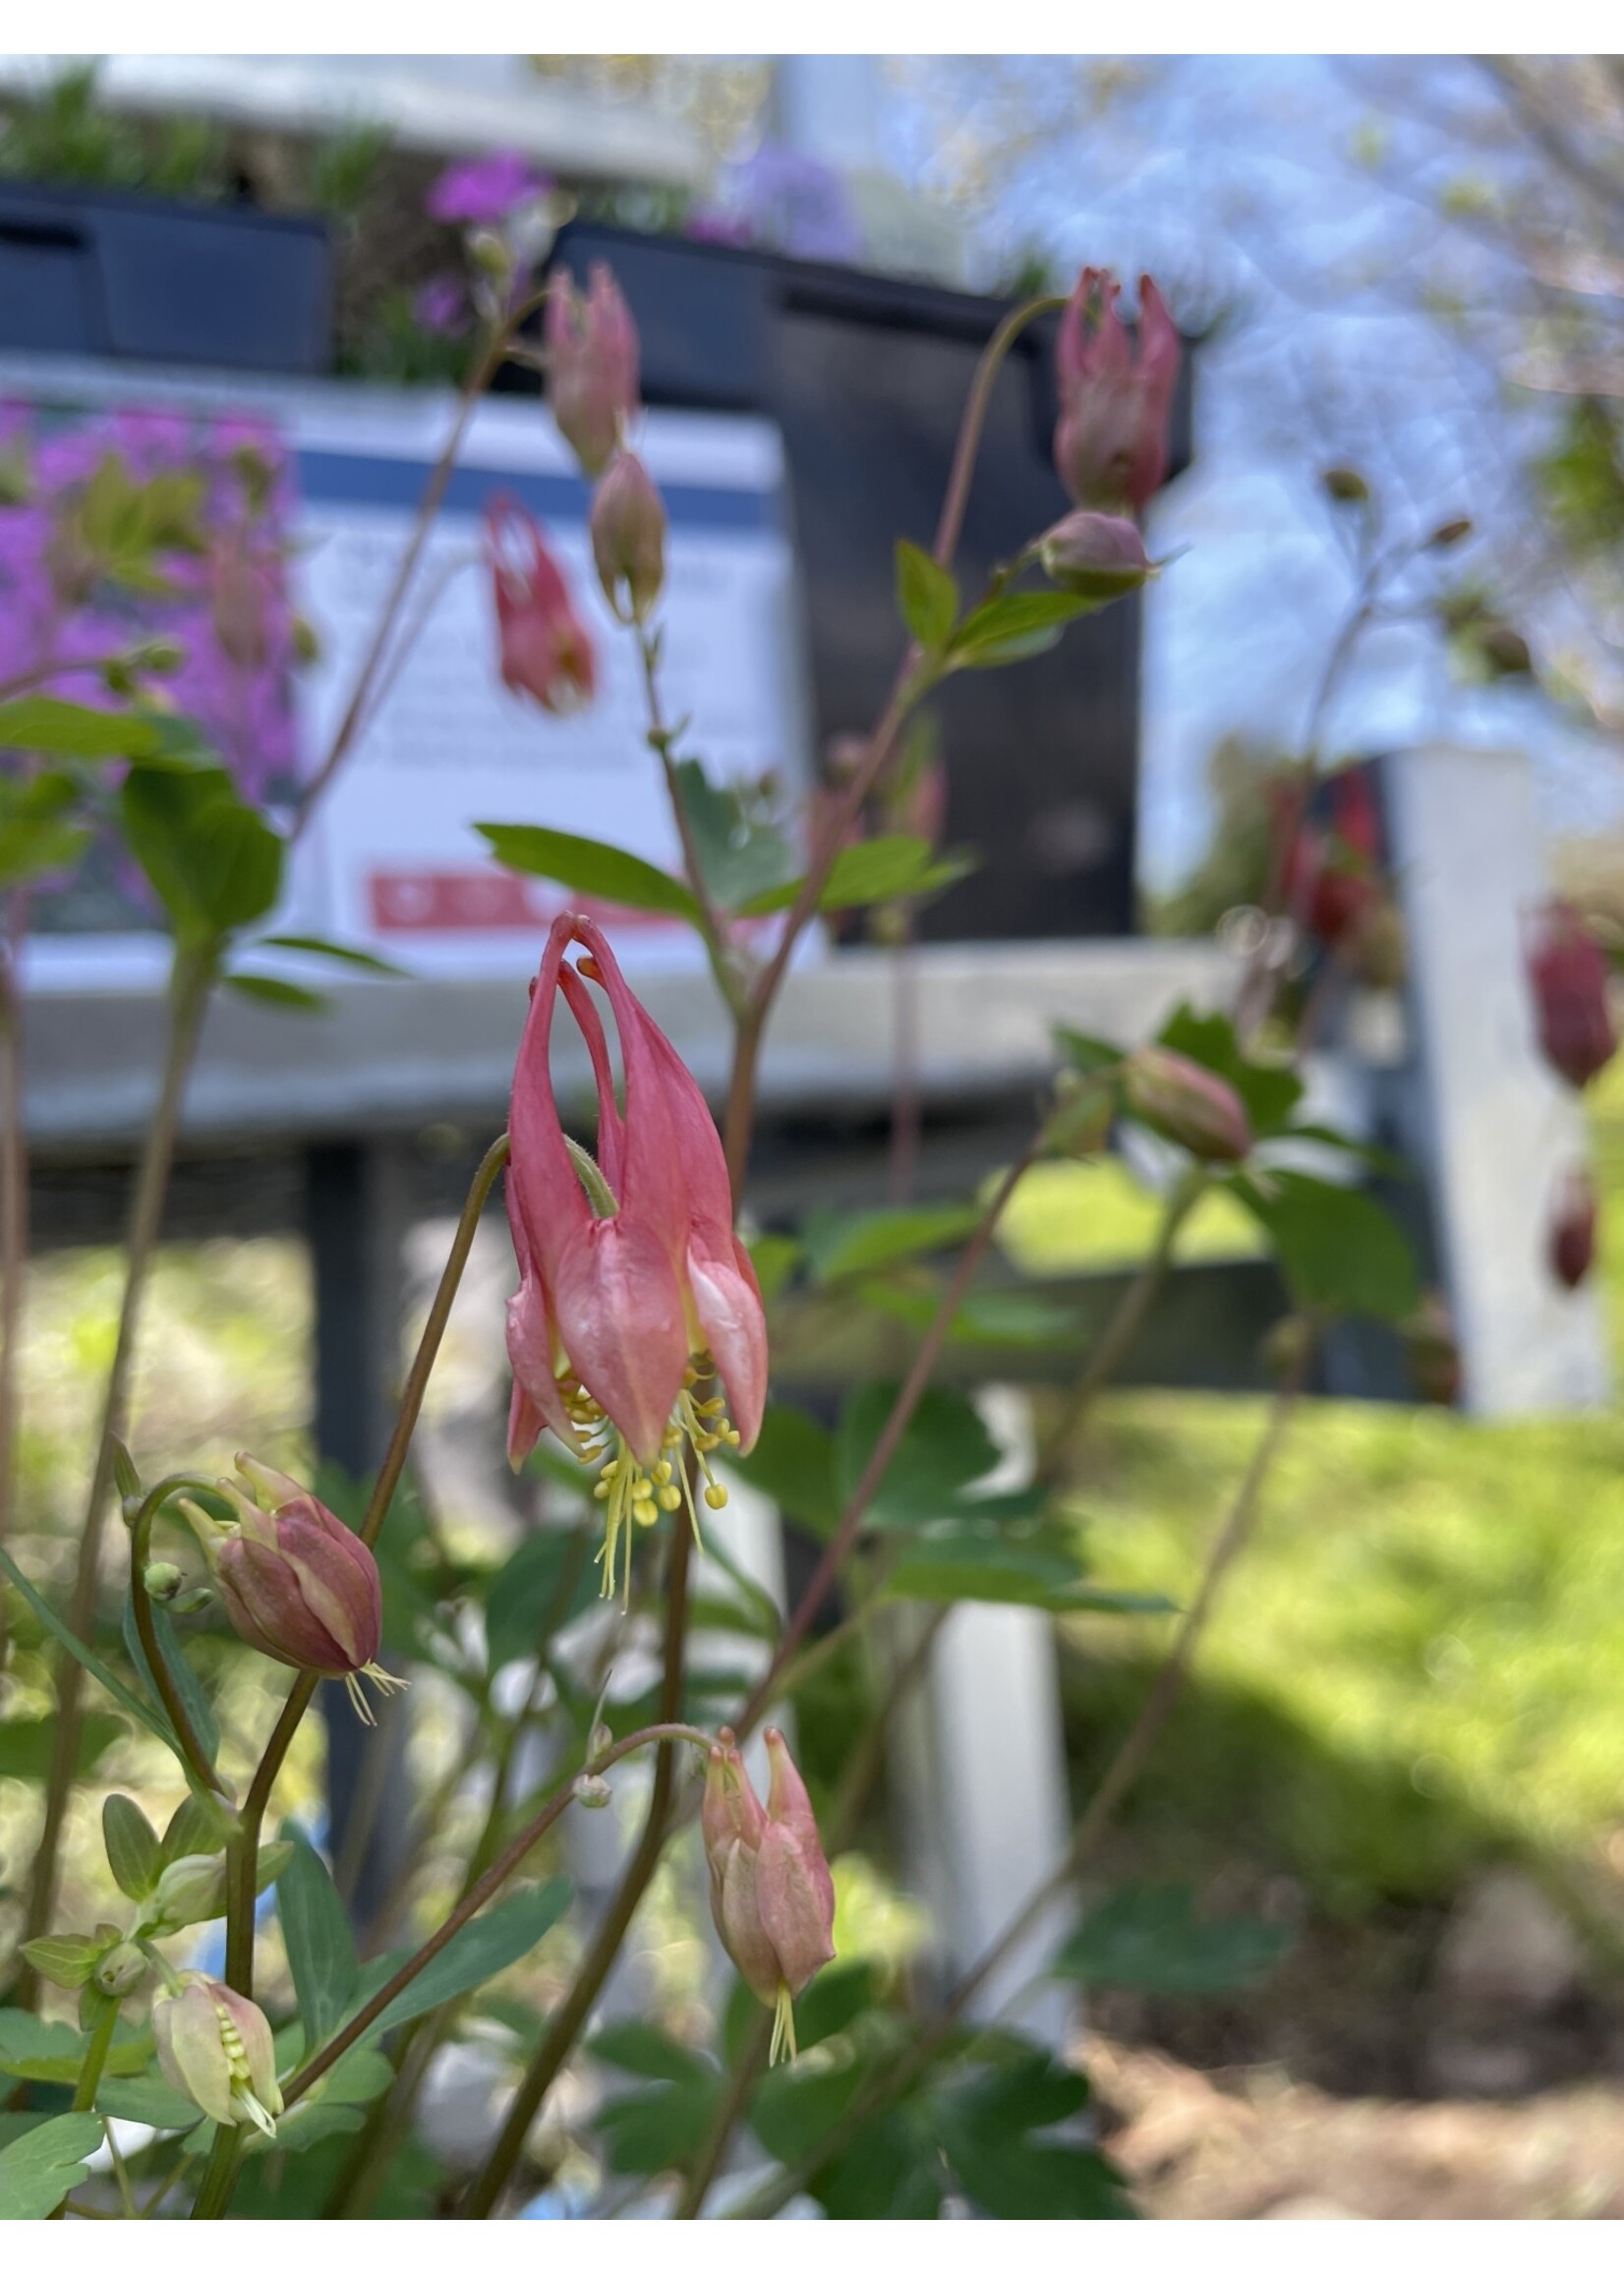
{"x": 391, "y": 859}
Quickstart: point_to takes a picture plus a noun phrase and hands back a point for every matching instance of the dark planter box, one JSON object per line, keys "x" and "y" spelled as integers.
{"x": 867, "y": 376}
{"x": 99, "y": 272}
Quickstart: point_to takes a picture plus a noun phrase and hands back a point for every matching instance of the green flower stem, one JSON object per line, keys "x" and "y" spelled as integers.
{"x": 192, "y": 978}
{"x": 243, "y": 1859}
{"x": 713, "y": 926}
{"x": 198, "y": 1762}
{"x": 90, "y": 2075}
{"x": 662, "y": 1734}
{"x": 910, "y": 685}
{"x": 219, "y": 2172}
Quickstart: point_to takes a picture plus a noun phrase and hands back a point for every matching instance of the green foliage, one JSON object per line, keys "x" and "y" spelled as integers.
{"x": 1013, "y": 627}
{"x": 488, "y": 1943}
{"x": 213, "y": 861}
{"x": 587, "y": 866}
{"x": 792, "y": 1462}
{"x": 190, "y": 1690}
{"x": 879, "y": 869}
{"x": 134, "y": 1855}
{"x": 321, "y": 1947}
{"x": 548, "y": 1580}
{"x": 1340, "y": 1250}
{"x": 927, "y": 596}
{"x": 840, "y": 1243}
{"x": 945, "y": 1448}
{"x": 740, "y": 853}
{"x": 45, "y": 2164}
{"x": 1269, "y": 1093}
{"x": 1149, "y": 1937}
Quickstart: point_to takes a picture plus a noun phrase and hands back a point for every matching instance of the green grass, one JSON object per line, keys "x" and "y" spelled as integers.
{"x": 1420, "y": 1661}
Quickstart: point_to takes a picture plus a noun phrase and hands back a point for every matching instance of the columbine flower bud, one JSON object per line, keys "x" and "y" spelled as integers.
{"x": 189, "y": 1890}
{"x": 1573, "y": 1228}
{"x": 123, "y": 1970}
{"x": 772, "y": 1895}
{"x": 1099, "y": 555}
{"x": 1186, "y": 1102}
{"x": 594, "y": 1791}
{"x": 298, "y": 1584}
{"x": 591, "y": 365}
{"x": 1110, "y": 439}
{"x": 545, "y": 650}
{"x": 628, "y": 538}
{"x": 217, "y": 2048}
{"x": 1568, "y": 973}
{"x": 164, "y": 1581}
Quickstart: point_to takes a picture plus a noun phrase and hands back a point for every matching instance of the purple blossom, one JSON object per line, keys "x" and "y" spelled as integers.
{"x": 486, "y": 189}
{"x": 441, "y": 307}
{"x": 799, "y": 205}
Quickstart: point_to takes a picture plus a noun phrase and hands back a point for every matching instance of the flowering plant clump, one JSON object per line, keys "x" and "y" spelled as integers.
{"x": 649, "y": 1311}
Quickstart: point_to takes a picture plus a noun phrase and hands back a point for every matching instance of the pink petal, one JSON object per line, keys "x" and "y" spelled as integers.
{"x": 727, "y": 1305}
{"x": 619, "y": 1312}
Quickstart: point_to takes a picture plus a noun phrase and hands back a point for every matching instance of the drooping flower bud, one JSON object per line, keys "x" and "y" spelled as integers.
{"x": 122, "y": 1969}
{"x": 1189, "y": 1103}
{"x": 297, "y": 1583}
{"x": 628, "y": 538}
{"x": 591, "y": 365}
{"x": 545, "y": 649}
{"x": 1568, "y": 973}
{"x": 1111, "y": 438}
{"x": 215, "y": 2047}
{"x": 1098, "y": 555}
{"x": 1573, "y": 1227}
{"x": 772, "y": 1895}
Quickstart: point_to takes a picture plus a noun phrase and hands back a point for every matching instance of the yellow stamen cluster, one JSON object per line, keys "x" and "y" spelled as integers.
{"x": 633, "y": 1495}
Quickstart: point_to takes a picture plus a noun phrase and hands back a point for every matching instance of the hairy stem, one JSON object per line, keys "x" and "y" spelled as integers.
{"x": 198, "y": 1762}
{"x": 193, "y": 976}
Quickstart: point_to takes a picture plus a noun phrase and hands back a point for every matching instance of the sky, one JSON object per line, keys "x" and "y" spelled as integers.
{"x": 1260, "y": 192}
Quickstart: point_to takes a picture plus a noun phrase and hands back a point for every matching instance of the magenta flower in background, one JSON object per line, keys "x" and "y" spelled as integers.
{"x": 485, "y": 190}
{"x": 441, "y": 307}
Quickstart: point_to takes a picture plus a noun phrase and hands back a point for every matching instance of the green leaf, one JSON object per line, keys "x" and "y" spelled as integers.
{"x": 54, "y": 728}
{"x": 774, "y": 1256}
{"x": 833, "y": 2000}
{"x": 946, "y": 1446}
{"x": 880, "y": 868}
{"x": 641, "y": 2050}
{"x": 1338, "y": 1248}
{"x": 39, "y": 2170}
{"x": 1149, "y": 1937}
{"x": 1018, "y": 625}
{"x": 548, "y": 1580}
{"x": 147, "y": 2100}
{"x": 196, "y": 1705}
{"x": 661, "y": 2130}
{"x": 277, "y": 994}
{"x": 966, "y": 1563}
{"x": 738, "y": 854}
{"x": 484, "y": 1947}
{"x": 842, "y": 1241}
{"x": 1270, "y": 1093}
{"x": 587, "y": 866}
{"x": 214, "y": 862}
{"x": 792, "y": 2109}
{"x": 1088, "y": 1053}
{"x": 991, "y": 2131}
{"x": 334, "y": 951}
{"x": 40, "y": 826}
{"x": 321, "y": 1947}
{"x": 198, "y": 1827}
{"x": 68, "y": 1961}
{"x": 65, "y": 1635}
{"x": 1000, "y": 1318}
{"x": 132, "y": 1853}
{"x": 927, "y": 596}
{"x": 27, "y": 1746}
{"x": 50, "y": 2053}
{"x": 792, "y": 1462}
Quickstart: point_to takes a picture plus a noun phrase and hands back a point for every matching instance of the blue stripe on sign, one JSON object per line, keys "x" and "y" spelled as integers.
{"x": 334, "y": 478}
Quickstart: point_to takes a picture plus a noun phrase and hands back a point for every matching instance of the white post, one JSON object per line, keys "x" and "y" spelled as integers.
{"x": 1498, "y": 1127}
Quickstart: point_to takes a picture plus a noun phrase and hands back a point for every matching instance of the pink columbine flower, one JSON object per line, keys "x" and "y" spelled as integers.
{"x": 215, "y": 2048}
{"x": 634, "y": 1290}
{"x": 296, "y": 1582}
{"x": 591, "y": 365}
{"x": 482, "y": 192}
{"x": 1568, "y": 973}
{"x": 772, "y": 1895}
{"x": 545, "y": 649}
{"x": 1111, "y": 438}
